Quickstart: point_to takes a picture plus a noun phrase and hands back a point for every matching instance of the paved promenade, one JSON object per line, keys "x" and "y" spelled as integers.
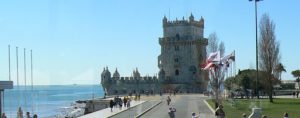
{"x": 104, "y": 113}
{"x": 184, "y": 104}
{"x": 156, "y": 107}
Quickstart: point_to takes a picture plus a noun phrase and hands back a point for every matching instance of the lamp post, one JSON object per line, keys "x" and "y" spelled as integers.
{"x": 255, "y": 2}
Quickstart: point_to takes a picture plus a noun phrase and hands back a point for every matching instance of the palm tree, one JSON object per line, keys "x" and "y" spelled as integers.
{"x": 279, "y": 69}
{"x": 296, "y": 73}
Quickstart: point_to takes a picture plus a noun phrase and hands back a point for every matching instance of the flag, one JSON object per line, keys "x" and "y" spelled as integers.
{"x": 209, "y": 65}
{"x": 228, "y": 57}
{"x": 215, "y": 56}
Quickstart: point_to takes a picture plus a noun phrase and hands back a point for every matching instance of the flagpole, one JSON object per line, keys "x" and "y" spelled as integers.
{"x": 31, "y": 82}
{"x": 25, "y": 79}
{"x": 18, "y": 86}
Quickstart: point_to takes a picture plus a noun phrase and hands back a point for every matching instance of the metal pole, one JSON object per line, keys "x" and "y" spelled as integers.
{"x": 1, "y": 103}
{"x": 31, "y": 67}
{"x": 18, "y": 86}
{"x": 9, "y": 75}
{"x": 25, "y": 78}
{"x": 256, "y": 49}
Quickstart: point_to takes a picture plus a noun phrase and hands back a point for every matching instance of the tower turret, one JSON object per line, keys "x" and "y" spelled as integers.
{"x": 116, "y": 74}
{"x": 191, "y": 18}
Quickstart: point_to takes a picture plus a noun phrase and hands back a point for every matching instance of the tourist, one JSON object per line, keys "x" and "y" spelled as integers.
{"x": 20, "y": 113}
{"x": 244, "y": 115}
{"x": 28, "y": 115}
{"x": 220, "y": 112}
{"x": 128, "y": 103}
{"x": 139, "y": 96}
{"x": 125, "y": 101}
{"x": 111, "y": 105}
{"x": 195, "y": 116}
{"x": 168, "y": 100}
{"x": 3, "y": 115}
{"x": 120, "y": 103}
{"x": 35, "y": 116}
{"x": 172, "y": 111}
{"x": 285, "y": 115}
{"x": 264, "y": 116}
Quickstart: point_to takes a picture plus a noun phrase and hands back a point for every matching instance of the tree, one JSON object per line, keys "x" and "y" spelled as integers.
{"x": 296, "y": 74}
{"x": 268, "y": 52}
{"x": 279, "y": 69}
{"x": 222, "y": 48}
{"x": 212, "y": 42}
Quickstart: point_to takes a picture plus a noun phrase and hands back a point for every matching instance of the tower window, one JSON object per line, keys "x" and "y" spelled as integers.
{"x": 176, "y": 72}
{"x": 177, "y": 36}
{"x": 176, "y": 60}
{"x": 176, "y": 48}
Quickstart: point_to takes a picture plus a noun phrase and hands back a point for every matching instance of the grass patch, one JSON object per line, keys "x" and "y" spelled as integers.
{"x": 235, "y": 109}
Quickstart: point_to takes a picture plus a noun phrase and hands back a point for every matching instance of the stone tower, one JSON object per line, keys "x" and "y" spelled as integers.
{"x": 183, "y": 49}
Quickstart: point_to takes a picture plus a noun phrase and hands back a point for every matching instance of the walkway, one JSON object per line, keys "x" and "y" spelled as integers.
{"x": 185, "y": 105}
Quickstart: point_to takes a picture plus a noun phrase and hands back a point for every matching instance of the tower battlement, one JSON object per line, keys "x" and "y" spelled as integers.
{"x": 184, "y": 22}
{"x": 183, "y": 28}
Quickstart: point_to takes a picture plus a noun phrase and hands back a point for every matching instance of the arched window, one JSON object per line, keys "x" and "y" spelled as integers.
{"x": 176, "y": 72}
{"x": 193, "y": 69}
{"x": 177, "y": 36}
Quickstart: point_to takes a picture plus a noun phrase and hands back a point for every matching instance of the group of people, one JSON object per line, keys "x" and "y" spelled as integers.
{"x": 118, "y": 102}
{"x": 20, "y": 114}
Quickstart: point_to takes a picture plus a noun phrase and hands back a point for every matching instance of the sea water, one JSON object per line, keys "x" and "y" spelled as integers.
{"x": 47, "y": 100}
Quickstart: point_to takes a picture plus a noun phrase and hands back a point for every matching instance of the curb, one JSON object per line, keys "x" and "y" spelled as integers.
{"x": 211, "y": 109}
{"x": 138, "y": 116}
{"x": 126, "y": 109}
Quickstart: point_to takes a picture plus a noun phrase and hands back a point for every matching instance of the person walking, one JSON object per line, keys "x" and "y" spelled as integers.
{"x": 168, "y": 100}
{"x": 35, "y": 116}
{"x": 128, "y": 103}
{"x": 172, "y": 111}
{"x": 3, "y": 115}
{"x": 111, "y": 105}
{"x": 244, "y": 115}
{"x": 125, "y": 101}
{"x": 285, "y": 115}
{"x": 120, "y": 103}
{"x": 195, "y": 116}
{"x": 28, "y": 115}
{"x": 220, "y": 112}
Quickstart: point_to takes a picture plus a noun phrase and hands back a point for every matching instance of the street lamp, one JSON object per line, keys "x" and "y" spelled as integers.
{"x": 255, "y": 2}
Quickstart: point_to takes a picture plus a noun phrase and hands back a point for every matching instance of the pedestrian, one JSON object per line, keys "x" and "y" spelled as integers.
{"x": 28, "y": 115}
{"x": 35, "y": 116}
{"x": 285, "y": 115}
{"x": 120, "y": 103}
{"x": 3, "y": 115}
{"x": 264, "y": 116}
{"x": 195, "y": 116}
{"x": 128, "y": 103}
{"x": 139, "y": 96}
{"x": 20, "y": 113}
{"x": 111, "y": 105}
{"x": 125, "y": 101}
{"x": 220, "y": 112}
{"x": 168, "y": 100}
{"x": 172, "y": 111}
{"x": 244, "y": 115}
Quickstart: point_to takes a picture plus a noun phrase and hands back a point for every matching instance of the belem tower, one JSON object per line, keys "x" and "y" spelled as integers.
{"x": 183, "y": 49}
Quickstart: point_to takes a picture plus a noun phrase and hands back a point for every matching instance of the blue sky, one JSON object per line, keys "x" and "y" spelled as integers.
{"x": 72, "y": 40}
